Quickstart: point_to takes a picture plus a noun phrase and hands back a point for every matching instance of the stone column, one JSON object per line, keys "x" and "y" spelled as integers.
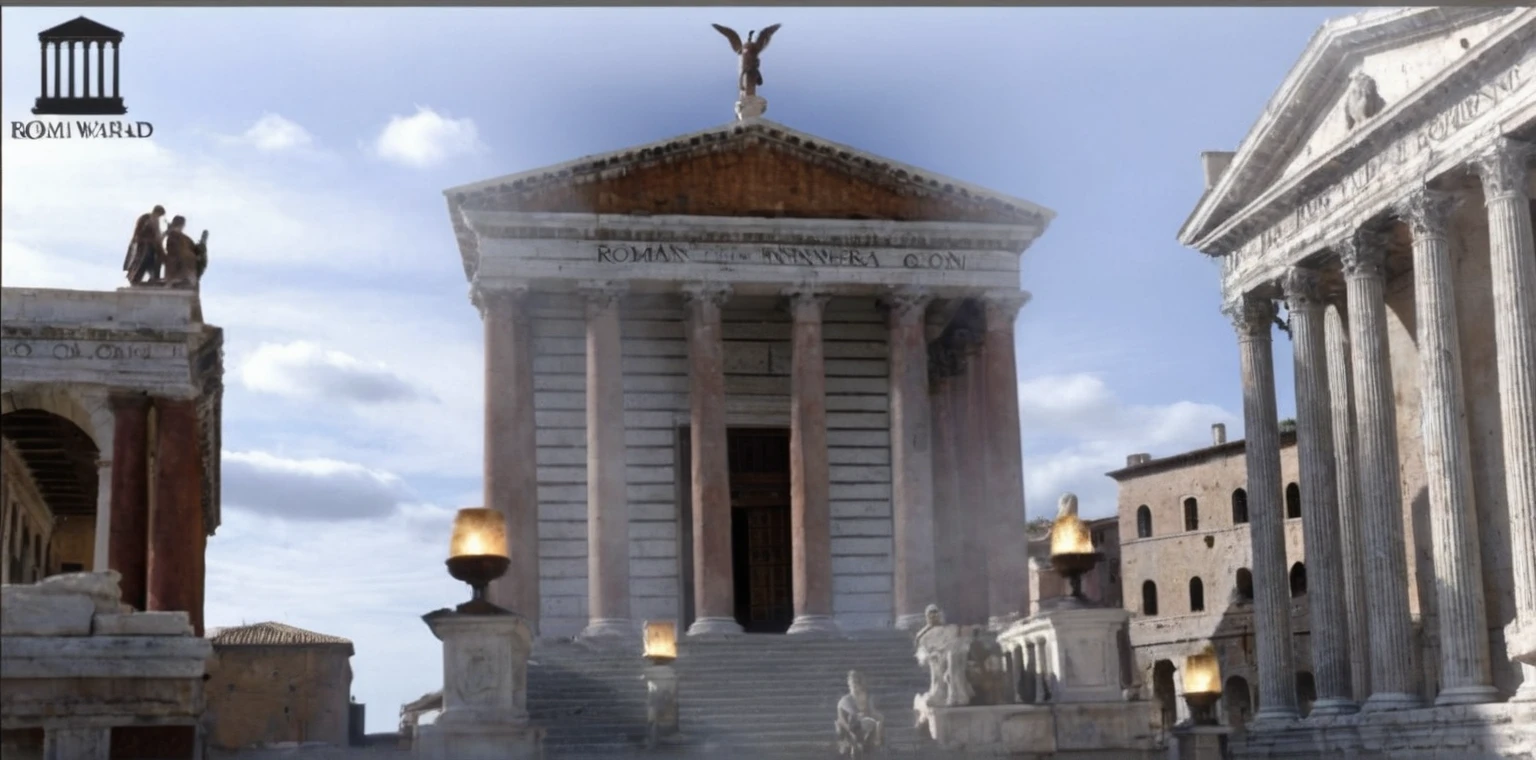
{"x": 101, "y": 542}
{"x": 1381, "y": 498}
{"x": 810, "y": 480}
{"x": 714, "y": 592}
{"x": 176, "y": 539}
{"x": 511, "y": 473}
{"x": 1341, "y": 396}
{"x": 1319, "y": 491}
{"x": 1465, "y": 667}
{"x": 1512, "y": 251}
{"x": 1254, "y": 317}
{"x": 128, "y": 534}
{"x": 911, "y": 457}
{"x": 1007, "y": 561}
{"x": 607, "y": 496}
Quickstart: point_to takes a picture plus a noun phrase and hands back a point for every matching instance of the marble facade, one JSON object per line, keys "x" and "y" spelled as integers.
{"x": 648, "y": 301}
{"x": 1385, "y": 198}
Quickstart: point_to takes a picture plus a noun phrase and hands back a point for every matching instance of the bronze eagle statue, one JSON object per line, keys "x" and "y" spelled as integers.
{"x": 749, "y": 52}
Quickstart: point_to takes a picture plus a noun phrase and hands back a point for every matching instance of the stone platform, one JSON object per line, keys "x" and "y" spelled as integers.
{"x": 1463, "y": 732}
{"x": 1119, "y": 730}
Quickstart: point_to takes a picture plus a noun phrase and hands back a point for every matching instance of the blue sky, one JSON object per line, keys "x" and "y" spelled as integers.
{"x": 314, "y": 144}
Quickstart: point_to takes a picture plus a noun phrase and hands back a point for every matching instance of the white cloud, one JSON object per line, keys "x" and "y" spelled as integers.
{"x": 302, "y": 369}
{"x": 307, "y": 489}
{"x": 426, "y": 139}
{"x": 367, "y": 580}
{"x": 273, "y": 133}
{"x": 1075, "y": 429}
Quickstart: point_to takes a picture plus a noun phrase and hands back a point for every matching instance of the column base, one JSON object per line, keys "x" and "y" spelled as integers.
{"x": 1468, "y": 695}
{"x": 1275, "y": 715}
{"x": 1334, "y": 706}
{"x": 714, "y": 626}
{"x": 814, "y": 625}
{"x": 911, "y": 622}
{"x": 610, "y": 628}
{"x": 1388, "y": 702}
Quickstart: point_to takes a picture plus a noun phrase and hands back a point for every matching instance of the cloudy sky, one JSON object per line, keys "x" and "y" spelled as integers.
{"x": 314, "y": 145}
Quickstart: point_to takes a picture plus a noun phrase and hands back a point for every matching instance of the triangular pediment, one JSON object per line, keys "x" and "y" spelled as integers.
{"x": 81, "y": 28}
{"x": 1355, "y": 69}
{"x": 756, "y": 169}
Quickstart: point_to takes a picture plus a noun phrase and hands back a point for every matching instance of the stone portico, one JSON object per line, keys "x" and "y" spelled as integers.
{"x": 1385, "y": 199}
{"x": 747, "y": 378}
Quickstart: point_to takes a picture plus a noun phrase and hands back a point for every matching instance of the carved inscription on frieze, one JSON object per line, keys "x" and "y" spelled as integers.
{"x": 91, "y": 351}
{"x": 773, "y": 255}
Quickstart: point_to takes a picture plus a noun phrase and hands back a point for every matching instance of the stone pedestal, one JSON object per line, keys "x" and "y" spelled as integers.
{"x": 660, "y": 703}
{"x": 1200, "y": 742}
{"x": 1077, "y": 650}
{"x": 485, "y": 690}
{"x": 751, "y": 107}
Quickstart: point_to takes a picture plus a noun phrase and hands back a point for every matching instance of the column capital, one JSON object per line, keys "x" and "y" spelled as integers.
{"x": 1002, "y": 307}
{"x": 1253, "y": 316}
{"x": 907, "y": 305}
{"x": 1502, "y": 167}
{"x": 1427, "y": 212}
{"x": 706, "y": 292}
{"x": 499, "y": 297}
{"x": 806, "y": 300}
{"x": 1363, "y": 253}
{"x": 601, "y": 294}
{"x": 1303, "y": 287}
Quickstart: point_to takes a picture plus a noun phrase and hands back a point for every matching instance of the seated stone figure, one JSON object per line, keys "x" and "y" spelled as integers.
{"x": 946, "y": 651}
{"x": 860, "y": 727}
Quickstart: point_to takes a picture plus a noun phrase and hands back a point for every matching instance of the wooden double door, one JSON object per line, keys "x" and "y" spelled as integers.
{"x": 762, "y": 544}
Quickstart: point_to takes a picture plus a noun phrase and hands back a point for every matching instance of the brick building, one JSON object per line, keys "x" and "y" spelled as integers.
{"x": 275, "y": 683}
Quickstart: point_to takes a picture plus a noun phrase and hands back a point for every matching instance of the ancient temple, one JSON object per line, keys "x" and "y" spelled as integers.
{"x": 751, "y": 380}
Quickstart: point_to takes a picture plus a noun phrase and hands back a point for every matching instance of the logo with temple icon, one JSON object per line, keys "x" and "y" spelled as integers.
{"x": 75, "y": 78}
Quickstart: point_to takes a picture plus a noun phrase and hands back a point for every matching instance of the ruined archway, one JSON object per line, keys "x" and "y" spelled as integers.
{"x": 50, "y": 484}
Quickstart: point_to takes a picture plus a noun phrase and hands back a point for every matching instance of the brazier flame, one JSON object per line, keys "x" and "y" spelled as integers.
{"x": 478, "y": 532}
{"x": 661, "y": 639}
{"x": 1202, "y": 673}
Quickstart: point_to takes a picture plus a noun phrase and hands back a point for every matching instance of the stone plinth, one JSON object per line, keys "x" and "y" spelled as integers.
{"x": 1201, "y": 742}
{"x": 660, "y": 703}
{"x": 485, "y": 690}
{"x": 75, "y": 664}
{"x": 751, "y": 107}
{"x": 1086, "y": 729}
{"x": 1077, "y": 648}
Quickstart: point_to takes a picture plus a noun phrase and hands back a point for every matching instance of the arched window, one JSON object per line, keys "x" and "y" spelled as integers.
{"x": 1196, "y": 595}
{"x": 1143, "y": 522}
{"x": 1244, "y": 584}
{"x": 1298, "y": 579}
{"x": 1191, "y": 514}
{"x": 1239, "y": 507}
{"x": 1149, "y": 598}
{"x": 1292, "y": 501}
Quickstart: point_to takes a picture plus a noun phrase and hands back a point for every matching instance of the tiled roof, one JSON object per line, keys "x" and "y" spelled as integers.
{"x": 271, "y": 634}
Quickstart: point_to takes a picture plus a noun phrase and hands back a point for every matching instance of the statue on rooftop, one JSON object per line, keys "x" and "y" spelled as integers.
{"x": 185, "y": 260}
{"x": 145, "y": 251}
{"x": 751, "y": 76}
{"x": 860, "y": 727}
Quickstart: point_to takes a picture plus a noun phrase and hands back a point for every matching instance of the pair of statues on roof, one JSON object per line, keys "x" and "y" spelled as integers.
{"x": 165, "y": 259}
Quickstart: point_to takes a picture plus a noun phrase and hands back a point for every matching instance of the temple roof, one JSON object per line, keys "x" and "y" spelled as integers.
{"x": 80, "y": 28}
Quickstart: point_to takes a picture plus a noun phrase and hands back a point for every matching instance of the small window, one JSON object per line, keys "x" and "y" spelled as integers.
{"x": 1196, "y": 595}
{"x": 1298, "y": 579}
{"x": 1239, "y": 507}
{"x": 1191, "y": 514}
{"x": 1143, "y": 522}
{"x": 1149, "y": 598}
{"x": 1292, "y": 501}
{"x": 1244, "y": 584}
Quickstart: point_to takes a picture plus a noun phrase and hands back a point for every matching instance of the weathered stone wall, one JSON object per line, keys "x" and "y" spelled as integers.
{"x": 27, "y": 522}
{"x": 656, "y": 404}
{"x": 262, "y": 695}
{"x": 73, "y": 542}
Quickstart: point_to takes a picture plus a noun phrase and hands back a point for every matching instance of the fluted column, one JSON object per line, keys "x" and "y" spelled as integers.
{"x": 128, "y": 531}
{"x": 810, "y": 481}
{"x": 1007, "y": 564}
{"x": 1342, "y": 400}
{"x": 607, "y": 499}
{"x": 911, "y": 457}
{"x": 511, "y": 475}
{"x": 713, "y": 592}
{"x": 1319, "y": 491}
{"x": 1381, "y": 498}
{"x": 1465, "y": 669}
{"x": 1254, "y": 318}
{"x": 1512, "y": 253}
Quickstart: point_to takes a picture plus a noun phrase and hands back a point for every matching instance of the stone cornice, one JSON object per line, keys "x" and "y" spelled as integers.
{"x": 1310, "y": 88}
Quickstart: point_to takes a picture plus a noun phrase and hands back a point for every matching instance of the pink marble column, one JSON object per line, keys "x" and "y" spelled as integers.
{"x": 713, "y": 591}
{"x": 1007, "y": 560}
{"x": 511, "y": 475}
{"x": 128, "y": 541}
{"x": 174, "y": 565}
{"x": 607, "y": 498}
{"x": 810, "y": 480}
{"x": 911, "y": 457}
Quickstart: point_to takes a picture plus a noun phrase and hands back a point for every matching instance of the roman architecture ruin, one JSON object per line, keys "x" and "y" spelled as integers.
{"x": 769, "y": 381}
{"x": 1385, "y": 197}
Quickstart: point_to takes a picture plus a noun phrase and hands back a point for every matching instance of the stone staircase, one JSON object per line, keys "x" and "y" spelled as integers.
{"x": 748, "y": 697}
